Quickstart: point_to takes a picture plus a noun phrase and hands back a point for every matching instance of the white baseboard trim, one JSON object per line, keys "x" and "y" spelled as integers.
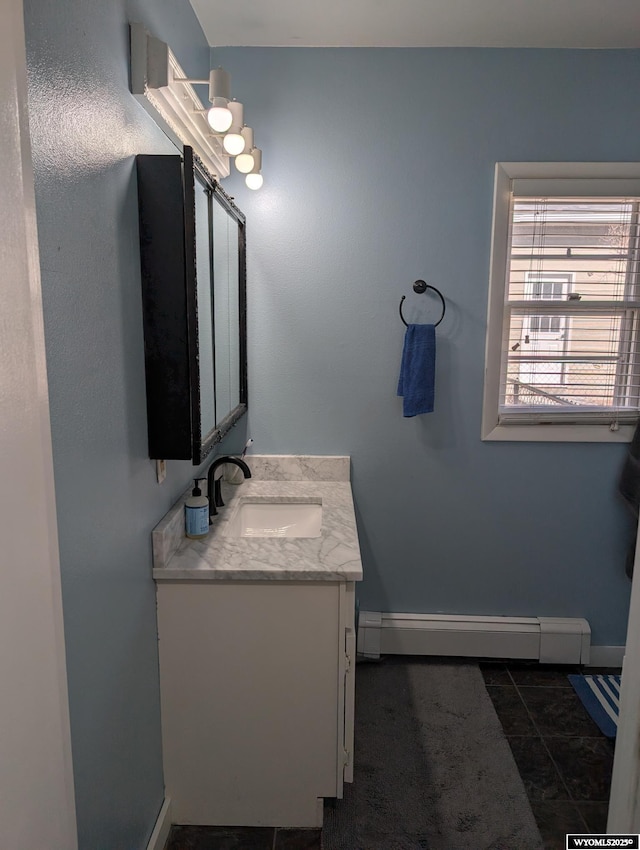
{"x": 606, "y": 656}
{"x": 161, "y": 830}
{"x": 550, "y": 640}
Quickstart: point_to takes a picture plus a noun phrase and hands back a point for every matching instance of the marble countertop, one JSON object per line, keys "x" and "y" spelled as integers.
{"x": 333, "y": 556}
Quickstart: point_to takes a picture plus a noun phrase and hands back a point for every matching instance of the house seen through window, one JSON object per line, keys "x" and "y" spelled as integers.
{"x": 573, "y": 329}
{"x": 570, "y": 338}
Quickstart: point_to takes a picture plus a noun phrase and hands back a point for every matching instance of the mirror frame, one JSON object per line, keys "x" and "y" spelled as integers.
{"x": 166, "y": 197}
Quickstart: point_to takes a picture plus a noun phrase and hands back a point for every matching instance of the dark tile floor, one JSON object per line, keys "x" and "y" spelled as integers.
{"x": 564, "y": 760}
{"x": 242, "y": 838}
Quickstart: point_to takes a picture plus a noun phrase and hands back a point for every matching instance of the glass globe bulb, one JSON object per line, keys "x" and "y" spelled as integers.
{"x": 244, "y": 163}
{"x": 219, "y": 118}
{"x": 233, "y": 143}
{"x": 254, "y": 181}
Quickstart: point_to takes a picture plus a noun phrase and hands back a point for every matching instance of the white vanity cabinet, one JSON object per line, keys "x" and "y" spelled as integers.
{"x": 257, "y": 693}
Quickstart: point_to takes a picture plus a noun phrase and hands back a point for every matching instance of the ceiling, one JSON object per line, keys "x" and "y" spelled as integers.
{"x": 421, "y": 23}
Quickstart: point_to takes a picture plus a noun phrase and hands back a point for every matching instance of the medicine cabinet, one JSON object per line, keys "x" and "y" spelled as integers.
{"x": 193, "y": 262}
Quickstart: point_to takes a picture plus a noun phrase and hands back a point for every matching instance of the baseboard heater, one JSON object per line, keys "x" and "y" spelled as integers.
{"x": 550, "y": 640}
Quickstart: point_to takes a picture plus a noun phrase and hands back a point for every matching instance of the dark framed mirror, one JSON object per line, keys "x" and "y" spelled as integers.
{"x": 193, "y": 263}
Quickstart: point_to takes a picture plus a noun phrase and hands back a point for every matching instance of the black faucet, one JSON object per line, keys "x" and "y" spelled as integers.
{"x": 213, "y": 486}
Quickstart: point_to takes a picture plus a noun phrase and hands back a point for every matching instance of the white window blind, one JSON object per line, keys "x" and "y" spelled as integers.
{"x": 571, "y": 333}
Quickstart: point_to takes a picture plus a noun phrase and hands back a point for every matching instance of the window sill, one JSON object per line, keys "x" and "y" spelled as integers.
{"x": 554, "y": 433}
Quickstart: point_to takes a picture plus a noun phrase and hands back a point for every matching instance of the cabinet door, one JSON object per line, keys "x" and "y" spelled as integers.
{"x": 349, "y": 701}
{"x": 346, "y": 686}
{"x": 249, "y": 686}
{"x": 192, "y": 253}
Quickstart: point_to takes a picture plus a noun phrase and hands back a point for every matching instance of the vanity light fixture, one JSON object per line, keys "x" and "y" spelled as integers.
{"x": 254, "y": 178}
{"x": 244, "y": 160}
{"x": 161, "y": 86}
{"x": 174, "y": 107}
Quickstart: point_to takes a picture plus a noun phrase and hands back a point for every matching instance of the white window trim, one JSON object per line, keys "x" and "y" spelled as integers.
{"x": 615, "y": 179}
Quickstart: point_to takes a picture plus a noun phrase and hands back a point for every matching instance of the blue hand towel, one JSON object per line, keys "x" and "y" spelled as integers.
{"x": 417, "y": 370}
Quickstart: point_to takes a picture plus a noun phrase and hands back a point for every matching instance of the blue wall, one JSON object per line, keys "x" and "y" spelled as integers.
{"x": 378, "y": 168}
{"x": 86, "y": 129}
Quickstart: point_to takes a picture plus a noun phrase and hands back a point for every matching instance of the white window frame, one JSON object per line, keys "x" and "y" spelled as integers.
{"x": 543, "y": 178}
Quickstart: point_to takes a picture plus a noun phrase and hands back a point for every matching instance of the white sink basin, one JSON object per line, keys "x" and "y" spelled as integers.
{"x": 275, "y": 519}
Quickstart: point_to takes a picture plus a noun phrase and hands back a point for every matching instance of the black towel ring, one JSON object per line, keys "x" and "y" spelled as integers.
{"x": 420, "y": 286}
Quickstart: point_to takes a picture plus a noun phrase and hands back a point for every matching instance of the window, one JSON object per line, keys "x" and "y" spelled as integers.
{"x": 563, "y": 337}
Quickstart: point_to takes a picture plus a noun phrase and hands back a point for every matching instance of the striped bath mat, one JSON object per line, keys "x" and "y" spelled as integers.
{"x": 600, "y": 695}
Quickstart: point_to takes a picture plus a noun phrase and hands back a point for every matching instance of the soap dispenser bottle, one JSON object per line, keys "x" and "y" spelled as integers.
{"x": 196, "y": 513}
